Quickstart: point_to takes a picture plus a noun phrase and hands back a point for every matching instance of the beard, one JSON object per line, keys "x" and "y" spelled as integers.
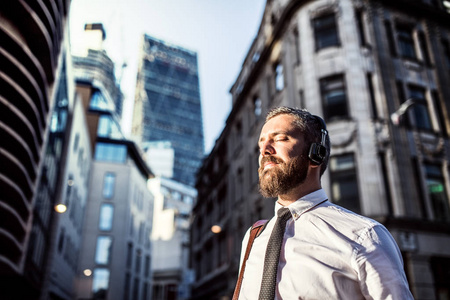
{"x": 283, "y": 177}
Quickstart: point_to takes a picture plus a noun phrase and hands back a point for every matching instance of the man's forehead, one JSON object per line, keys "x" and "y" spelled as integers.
{"x": 282, "y": 124}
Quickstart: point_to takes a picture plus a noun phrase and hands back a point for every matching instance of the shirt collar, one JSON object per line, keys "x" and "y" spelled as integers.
{"x": 305, "y": 203}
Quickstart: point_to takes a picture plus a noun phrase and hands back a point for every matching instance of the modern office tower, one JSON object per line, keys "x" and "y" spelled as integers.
{"x": 170, "y": 238}
{"x": 33, "y": 84}
{"x": 115, "y": 259}
{"x": 167, "y": 104}
{"x": 356, "y": 63}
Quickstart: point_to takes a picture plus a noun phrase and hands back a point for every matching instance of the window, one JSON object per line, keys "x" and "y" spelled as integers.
{"x": 334, "y": 97}
{"x": 100, "y": 283}
{"x": 344, "y": 183}
{"x": 436, "y": 192}
{"x": 103, "y": 250}
{"x": 136, "y": 288}
{"x": 257, "y": 107}
{"x": 108, "y": 185}
{"x": 325, "y": 31}
{"x": 406, "y": 42}
{"x": 110, "y": 152}
{"x": 440, "y": 267}
{"x": 129, "y": 254}
{"x": 108, "y": 127}
{"x": 61, "y": 240}
{"x": 106, "y": 217}
{"x": 126, "y": 289}
{"x": 98, "y": 101}
{"x": 147, "y": 266}
{"x": 360, "y": 26}
{"x": 373, "y": 103}
{"x": 446, "y": 50}
{"x": 279, "y": 77}
{"x": 76, "y": 142}
{"x": 420, "y": 111}
{"x": 390, "y": 37}
{"x": 137, "y": 268}
{"x": 297, "y": 46}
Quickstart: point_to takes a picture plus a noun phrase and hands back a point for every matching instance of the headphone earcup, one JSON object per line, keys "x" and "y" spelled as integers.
{"x": 317, "y": 153}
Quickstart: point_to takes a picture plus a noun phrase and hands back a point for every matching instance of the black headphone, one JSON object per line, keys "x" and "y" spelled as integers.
{"x": 318, "y": 152}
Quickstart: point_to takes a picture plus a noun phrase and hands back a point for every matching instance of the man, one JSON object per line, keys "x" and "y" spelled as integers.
{"x": 327, "y": 252}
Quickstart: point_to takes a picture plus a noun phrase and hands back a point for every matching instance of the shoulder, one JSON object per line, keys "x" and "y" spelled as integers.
{"x": 347, "y": 224}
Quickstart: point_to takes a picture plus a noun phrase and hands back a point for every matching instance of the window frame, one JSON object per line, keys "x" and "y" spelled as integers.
{"x": 420, "y": 111}
{"x": 326, "y": 88}
{"x": 323, "y": 32}
{"x": 110, "y": 220}
{"x": 444, "y": 209}
{"x": 109, "y": 184}
{"x": 278, "y": 70}
{"x": 338, "y": 175}
{"x": 99, "y": 253}
{"x": 406, "y": 41}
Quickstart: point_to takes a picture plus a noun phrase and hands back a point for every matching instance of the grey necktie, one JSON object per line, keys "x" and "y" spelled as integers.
{"x": 269, "y": 279}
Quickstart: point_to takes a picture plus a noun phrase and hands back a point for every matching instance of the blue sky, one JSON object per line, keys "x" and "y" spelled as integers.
{"x": 220, "y": 31}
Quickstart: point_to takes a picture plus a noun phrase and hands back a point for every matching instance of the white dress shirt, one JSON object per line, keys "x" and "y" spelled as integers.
{"x": 328, "y": 252}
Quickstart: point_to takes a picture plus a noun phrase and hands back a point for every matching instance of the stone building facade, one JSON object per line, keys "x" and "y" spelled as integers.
{"x": 355, "y": 63}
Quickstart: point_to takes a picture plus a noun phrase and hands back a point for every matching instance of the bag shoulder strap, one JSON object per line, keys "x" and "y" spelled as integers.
{"x": 256, "y": 230}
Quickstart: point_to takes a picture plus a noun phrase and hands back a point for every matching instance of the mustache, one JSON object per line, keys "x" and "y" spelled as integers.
{"x": 266, "y": 159}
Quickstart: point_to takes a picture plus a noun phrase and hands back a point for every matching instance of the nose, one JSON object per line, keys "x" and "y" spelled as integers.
{"x": 266, "y": 148}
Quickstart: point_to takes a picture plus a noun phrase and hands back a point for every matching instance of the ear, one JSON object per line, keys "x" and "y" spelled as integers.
{"x": 314, "y": 170}
{"x": 314, "y": 166}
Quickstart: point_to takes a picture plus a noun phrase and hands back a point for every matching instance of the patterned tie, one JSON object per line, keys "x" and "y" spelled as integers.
{"x": 272, "y": 257}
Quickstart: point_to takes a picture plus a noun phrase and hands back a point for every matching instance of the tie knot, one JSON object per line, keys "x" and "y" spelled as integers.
{"x": 284, "y": 213}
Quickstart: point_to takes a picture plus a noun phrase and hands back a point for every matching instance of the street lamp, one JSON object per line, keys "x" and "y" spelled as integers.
{"x": 60, "y": 208}
{"x": 216, "y": 229}
{"x": 397, "y": 116}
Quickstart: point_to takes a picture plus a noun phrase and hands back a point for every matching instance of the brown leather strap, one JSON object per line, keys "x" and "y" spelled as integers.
{"x": 254, "y": 232}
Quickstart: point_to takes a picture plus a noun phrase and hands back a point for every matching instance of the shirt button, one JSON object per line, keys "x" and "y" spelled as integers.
{"x": 295, "y": 216}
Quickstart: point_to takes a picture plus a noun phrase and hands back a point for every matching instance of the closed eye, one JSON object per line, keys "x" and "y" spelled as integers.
{"x": 281, "y": 138}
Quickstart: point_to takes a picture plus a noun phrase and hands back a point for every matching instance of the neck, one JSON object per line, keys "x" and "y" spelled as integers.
{"x": 298, "y": 192}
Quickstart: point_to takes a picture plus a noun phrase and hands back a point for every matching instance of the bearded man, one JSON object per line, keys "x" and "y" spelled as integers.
{"x": 311, "y": 248}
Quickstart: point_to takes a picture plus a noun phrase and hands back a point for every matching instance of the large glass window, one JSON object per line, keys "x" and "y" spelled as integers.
{"x": 108, "y": 185}
{"x": 106, "y": 217}
{"x": 420, "y": 111}
{"x": 325, "y": 31}
{"x": 110, "y": 152}
{"x": 437, "y": 193}
{"x": 406, "y": 42}
{"x": 334, "y": 97}
{"x": 344, "y": 182}
{"x": 103, "y": 250}
{"x": 100, "y": 283}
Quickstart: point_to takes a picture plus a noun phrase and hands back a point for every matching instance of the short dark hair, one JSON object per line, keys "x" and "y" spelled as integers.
{"x": 308, "y": 124}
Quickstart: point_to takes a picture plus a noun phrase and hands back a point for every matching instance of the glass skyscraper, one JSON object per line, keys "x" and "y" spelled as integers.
{"x": 167, "y": 105}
